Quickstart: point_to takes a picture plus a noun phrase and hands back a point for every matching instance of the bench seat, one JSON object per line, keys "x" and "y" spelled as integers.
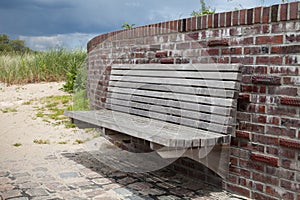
{"x": 156, "y": 131}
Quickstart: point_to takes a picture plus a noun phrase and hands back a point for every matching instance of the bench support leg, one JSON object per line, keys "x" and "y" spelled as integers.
{"x": 215, "y": 158}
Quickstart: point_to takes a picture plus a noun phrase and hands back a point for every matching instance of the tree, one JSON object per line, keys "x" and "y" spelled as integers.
{"x": 17, "y": 46}
{"x": 205, "y": 10}
{"x": 126, "y": 25}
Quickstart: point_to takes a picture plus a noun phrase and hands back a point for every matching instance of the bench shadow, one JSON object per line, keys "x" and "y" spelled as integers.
{"x": 149, "y": 185}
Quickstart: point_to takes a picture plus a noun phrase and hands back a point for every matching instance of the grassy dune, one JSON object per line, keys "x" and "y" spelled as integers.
{"x": 49, "y": 66}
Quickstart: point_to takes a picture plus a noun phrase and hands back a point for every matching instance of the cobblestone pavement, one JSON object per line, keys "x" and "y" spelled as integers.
{"x": 75, "y": 174}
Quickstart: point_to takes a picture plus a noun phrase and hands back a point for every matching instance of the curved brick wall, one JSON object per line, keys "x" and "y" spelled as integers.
{"x": 265, "y": 155}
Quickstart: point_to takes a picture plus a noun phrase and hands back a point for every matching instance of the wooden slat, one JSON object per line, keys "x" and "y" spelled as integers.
{"x": 179, "y": 74}
{"x": 177, "y": 120}
{"x": 175, "y": 89}
{"x": 159, "y": 132}
{"x": 181, "y": 67}
{"x": 179, "y": 81}
{"x": 139, "y": 102}
{"x": 180, "y": 113}
{"x": 217, "y": 128}
{"x": 127, "y": 94}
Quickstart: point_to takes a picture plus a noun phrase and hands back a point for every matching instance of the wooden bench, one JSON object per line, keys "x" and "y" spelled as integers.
{"x": 182, "y": 110}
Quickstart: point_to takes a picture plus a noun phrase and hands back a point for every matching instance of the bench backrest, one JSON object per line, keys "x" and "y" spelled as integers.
{"x": 202, "y": 96}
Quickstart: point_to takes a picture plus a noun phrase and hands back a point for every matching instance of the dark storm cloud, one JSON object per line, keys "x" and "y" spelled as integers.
{"x": 47, "y": 17}
{"x": 42, "y": 22}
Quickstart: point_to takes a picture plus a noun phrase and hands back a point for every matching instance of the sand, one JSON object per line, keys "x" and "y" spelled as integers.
{"x": 23, "y": 127}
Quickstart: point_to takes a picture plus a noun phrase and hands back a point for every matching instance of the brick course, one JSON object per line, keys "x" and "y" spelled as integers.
{"x": 266, "y": 149}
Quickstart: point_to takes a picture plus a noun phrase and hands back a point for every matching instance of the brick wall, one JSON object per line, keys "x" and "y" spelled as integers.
{"x": 265, "y": 155}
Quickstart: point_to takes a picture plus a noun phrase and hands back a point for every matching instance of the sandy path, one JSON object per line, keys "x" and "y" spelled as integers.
{"x": 22, "y": 126}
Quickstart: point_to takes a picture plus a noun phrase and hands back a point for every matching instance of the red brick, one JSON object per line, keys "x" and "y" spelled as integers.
{"x": 245, "y": 98}
{"x": 266, "y": 12}
{"x": 273, "y": 120}
{"x": 257, "y": 166}
{"x": 257, "y": 108}
{"x": 242, "y": 60}
{"x": 167, "y": 61}
{"x": 272, "y": 161}
{"x": 266, "y": 29}
{"x": 294, "y": 144}
{"x": 262, "y": 139}
{"x": 243, "y": 134}
{"x": 273, "y": 191}
{"x": 292, "y": 49}
{"x": 278, "y": 39}
{"x": 261, "y": 196}
{"x": 257, "y": 18}
{"x": 210, "y": 21}
{"x": 204, "y": 22}
{"x": 231, "y": 51}
{"x": 243, "y": 116}
{"x": 283, "y": 91}
{"x": 192, "y": 36}
{"x": 222, "y": 19}
{"x": 228, "y": 19}
{"x": 289, "y": 185}
{"x": 274, "y": 13}
{"x": 283, "y": 12}
{"x": 235, "y": 18}
{"x": 210, "y": 52}
{"x": 293, "y": 71}
{"x": 292, "y": 60}
{"x": 265, "y": 60}
{"x": 188, "y": 24}
{"x": 293, "y": 38}
{"x": 183, "y": 46}
{"x": 272, "y": 150}
{"x": 266, "y": 179}
{"x": 252, "y": 50}
{"x": 294, "y": 10}
{"x": 290, "y": 101}
{"x": 259, "y": 119}
{"x": 242, "y": 17}
{"x": 214, "y": 43}
{"x": 161, "y": 54}
{"x": 288, "y": 111}
{"x": 250, "y": 16}
{"x": 266, "y": 80}
{"x": 240, "y": 190}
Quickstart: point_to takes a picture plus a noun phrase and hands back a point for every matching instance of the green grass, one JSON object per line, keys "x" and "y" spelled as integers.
{"x": 41, "y": 141}
{"x": 17, "y": 144}
{"x": 9, "y": 110}
{"x": 35, "y": 67}
{"x": 78, "y": 141}
{"x": 63, "y": 142}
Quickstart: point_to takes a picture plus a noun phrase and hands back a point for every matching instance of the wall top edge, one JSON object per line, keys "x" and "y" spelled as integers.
{"x": 258, "y": 15}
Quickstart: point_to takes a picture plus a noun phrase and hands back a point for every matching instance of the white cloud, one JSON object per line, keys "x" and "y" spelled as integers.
{"x": 70, "y": 41}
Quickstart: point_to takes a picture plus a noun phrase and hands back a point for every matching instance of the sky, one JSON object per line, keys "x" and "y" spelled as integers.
{"x": 45, "y": 24}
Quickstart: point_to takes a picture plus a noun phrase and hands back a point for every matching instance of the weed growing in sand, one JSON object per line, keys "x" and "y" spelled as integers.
{"x": 9, "y": 110}
{"x": 41, "y": 141}
{"x": 17, "y": 144}
{"x": 63, "y": 142}
{"x": 27, "y": 103}
{"x": 78, "y": 141}
{"x": 52, "y": 110}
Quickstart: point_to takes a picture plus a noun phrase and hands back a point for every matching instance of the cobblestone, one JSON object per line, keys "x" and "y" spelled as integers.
{"x": 66, "y": 181}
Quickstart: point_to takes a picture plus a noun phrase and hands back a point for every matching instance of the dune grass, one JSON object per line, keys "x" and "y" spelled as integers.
{"x": 53, "y": 65}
